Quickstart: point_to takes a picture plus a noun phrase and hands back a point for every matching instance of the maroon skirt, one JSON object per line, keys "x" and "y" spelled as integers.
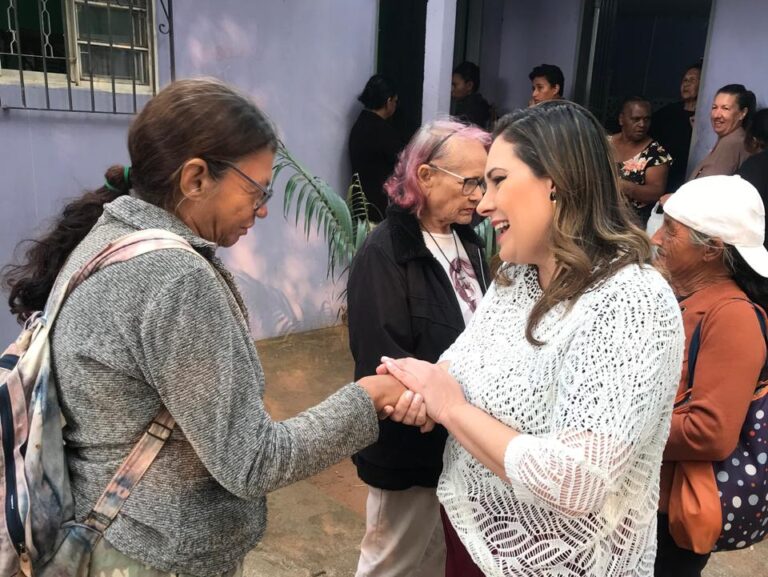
{"x": 458, "y": 563}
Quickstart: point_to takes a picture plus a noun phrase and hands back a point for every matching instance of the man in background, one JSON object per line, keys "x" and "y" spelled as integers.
{"x": 546, "y": 83}
{"x": 672, "y": 126}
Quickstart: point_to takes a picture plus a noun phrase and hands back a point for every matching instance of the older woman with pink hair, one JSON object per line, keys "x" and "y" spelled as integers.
{"x": 412, "y": 289}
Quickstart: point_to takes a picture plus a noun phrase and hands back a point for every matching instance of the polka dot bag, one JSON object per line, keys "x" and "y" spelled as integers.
{"x": 742, "y": 478}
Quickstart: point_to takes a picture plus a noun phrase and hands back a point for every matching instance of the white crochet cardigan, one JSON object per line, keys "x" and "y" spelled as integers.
{"x": 593, "y": 407}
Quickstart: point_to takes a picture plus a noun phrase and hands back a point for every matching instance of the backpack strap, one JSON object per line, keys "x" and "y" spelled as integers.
{"x": 130, "y": 472}
{"x": 152, "y": 441}
{"x": 123, "y": 249}
{"x": 693, "y": 351}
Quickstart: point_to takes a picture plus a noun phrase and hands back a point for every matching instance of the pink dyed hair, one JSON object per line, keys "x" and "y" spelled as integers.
{"x": 427, "y": 144}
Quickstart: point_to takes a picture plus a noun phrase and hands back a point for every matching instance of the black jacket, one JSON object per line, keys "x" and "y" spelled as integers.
{"x": 755, "y": 170}
{"x": 473, "y": 109}
{"x": 373, "y": 148}
{"x": 671, "y": 126}
{"x": 401, "y": 303}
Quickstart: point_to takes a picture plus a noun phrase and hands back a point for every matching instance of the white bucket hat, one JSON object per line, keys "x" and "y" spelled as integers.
{"x": 728, "y": 208}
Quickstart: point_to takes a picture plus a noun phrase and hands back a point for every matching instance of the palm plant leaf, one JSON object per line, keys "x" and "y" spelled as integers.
{"x": 488, "y": 236}
{"x": 343, "y": 222}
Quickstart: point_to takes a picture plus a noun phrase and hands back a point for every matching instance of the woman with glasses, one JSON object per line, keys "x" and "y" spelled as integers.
{"x": 168, "y": 329}
{"x": 558, "y": 396}
{"x": 412, "y": 289}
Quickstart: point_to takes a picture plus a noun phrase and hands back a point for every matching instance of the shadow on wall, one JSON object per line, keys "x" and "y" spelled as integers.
{"x": 282, "y": 279}
{"x": 281, "y": 317}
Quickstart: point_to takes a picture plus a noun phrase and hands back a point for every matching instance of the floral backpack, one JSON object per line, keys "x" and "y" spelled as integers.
{"x": 38, "y": 533}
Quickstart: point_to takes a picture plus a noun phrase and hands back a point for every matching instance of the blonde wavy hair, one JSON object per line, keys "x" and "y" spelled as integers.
{"x": 593, "y": 234}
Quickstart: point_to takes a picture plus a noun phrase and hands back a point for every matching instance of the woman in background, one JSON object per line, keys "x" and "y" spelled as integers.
{"x": 732, "y": 111}
{"x": 642, "y": 162}
{"x": 374, "y": 143}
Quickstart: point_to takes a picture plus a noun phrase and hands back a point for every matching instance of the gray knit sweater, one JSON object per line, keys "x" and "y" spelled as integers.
{"x": 169, "y": 328}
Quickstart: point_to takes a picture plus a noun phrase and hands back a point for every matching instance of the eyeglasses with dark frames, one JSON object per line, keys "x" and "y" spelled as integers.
{"x": 266, "y": 193}
{"x": 468, "y": 184}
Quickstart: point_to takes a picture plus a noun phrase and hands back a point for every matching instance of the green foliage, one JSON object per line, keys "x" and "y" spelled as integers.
{"x": 343, "y": 222}
{"x": 488, "y": 236}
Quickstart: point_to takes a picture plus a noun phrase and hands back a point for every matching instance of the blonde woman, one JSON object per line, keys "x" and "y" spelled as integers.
{"x": 557, "y": 397}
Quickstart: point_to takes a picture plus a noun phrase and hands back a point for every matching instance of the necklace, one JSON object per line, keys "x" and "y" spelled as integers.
{"x": 455, "y": 265}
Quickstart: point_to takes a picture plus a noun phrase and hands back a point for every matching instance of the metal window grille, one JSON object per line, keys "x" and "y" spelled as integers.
{"x": 81, "y": 55}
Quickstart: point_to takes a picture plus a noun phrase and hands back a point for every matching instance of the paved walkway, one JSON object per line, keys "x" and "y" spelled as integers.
{"x": 315, "y": 526}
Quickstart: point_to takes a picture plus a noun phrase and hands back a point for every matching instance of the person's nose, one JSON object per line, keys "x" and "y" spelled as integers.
{"x": 486, "y": 206}
{"x": 262, "y": 211}
{"x": 477, "y": 194}
{"x": 656, "y": 238}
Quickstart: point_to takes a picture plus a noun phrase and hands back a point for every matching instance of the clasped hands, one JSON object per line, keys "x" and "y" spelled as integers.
{"x": 414, "y": 392}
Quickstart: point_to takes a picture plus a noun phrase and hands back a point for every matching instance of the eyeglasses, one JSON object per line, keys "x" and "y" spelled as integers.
{"x": 468, "y": 184}
{"x": 436, "y": 148}
{"x": 266, "y": 193}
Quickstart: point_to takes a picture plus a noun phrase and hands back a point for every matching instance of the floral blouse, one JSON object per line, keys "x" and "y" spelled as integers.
{"x": 634, "y": 168}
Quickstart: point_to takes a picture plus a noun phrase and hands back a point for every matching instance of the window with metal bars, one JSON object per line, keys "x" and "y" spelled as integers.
{"x": 96, "y": 45}
{"x": 113, "y": 40}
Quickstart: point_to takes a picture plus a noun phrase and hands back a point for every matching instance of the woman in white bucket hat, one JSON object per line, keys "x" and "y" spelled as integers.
{"x": 711, "y": 246}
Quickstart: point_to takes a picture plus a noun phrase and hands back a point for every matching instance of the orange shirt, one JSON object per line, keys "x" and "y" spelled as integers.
{"x": 731, "y": 355}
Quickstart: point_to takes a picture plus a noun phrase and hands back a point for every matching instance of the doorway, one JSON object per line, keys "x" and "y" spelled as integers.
{"x": 400, "y": 57}
{"x": 637, "y": 48}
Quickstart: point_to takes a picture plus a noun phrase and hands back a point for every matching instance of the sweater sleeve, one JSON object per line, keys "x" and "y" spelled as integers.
{"x": 377, "y": 308}
{"x": 615, "y": 384}
{"x": 731, "y": 356}
{"x": 203, "y": 364}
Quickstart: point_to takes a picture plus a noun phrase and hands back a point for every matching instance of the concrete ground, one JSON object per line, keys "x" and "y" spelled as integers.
{"x": 315, "y": 526}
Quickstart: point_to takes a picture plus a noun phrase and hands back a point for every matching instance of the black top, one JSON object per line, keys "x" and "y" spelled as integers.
{"x": 755, "y": 170}
{"x": 401, "y": 304}
{"x": 671, "y": 126}
{"x": 473, "y": 109}
{"x": 373, "y": 149}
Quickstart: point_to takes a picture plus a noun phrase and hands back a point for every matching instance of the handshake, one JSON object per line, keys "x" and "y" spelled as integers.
{"x": 414, "y": 392}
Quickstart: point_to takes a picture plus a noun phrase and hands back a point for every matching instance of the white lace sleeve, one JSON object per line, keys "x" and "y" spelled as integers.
{"x": 607, "y": 394}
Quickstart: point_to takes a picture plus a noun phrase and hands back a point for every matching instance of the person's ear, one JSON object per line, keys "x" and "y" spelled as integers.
{"x": 714, "y": 251}
{"x": 425, "y": 177}
{"x": 195, "y": 179}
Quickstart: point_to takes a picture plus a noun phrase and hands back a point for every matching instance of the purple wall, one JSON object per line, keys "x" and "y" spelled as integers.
{"x": 735, "y": 54}
{"x": 302, "y": 61}
{"x": 490, "y": 49}
{"x": 534, "y": 33}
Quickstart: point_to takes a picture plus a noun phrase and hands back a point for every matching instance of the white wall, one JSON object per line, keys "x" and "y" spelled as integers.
{"x": 535, "y": 33}
{"x": 736, "y": 53}
{"x": 438, "y": 59}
